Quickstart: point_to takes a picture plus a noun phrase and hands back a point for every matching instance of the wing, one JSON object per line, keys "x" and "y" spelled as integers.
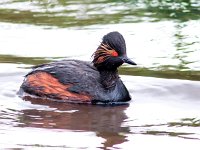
{"x": 66, "y": 80}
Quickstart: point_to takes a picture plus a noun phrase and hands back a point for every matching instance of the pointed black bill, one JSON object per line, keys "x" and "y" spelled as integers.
{"x": 128, "y": 61}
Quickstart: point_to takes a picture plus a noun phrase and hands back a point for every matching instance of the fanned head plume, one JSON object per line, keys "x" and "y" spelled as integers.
{"x": 103, "y": 52}
{"x": 111, "y": 53}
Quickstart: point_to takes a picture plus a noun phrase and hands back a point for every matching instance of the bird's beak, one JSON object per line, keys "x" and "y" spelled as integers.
{"x": 128, "y": 61}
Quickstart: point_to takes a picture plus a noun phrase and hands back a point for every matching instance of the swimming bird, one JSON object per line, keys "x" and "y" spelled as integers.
{"x": 80, "y": 81}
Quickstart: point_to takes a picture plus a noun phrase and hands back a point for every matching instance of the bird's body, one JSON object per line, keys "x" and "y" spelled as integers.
{"x": 79, "y": 81}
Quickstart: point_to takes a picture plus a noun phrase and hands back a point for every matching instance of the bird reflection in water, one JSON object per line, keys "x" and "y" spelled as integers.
{"x": 105, "y": 121}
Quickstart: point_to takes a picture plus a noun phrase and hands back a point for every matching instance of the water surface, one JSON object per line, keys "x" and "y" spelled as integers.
{"x": 162, "y": 37}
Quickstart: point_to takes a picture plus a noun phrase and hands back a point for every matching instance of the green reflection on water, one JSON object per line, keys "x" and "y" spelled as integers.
{"x": 62, "y": 13}
{"x": 150, "y": 72}
{"x": 188, "y": 122}
{"x": 184, "y": 122}
{"x": 171, "y": 74}
{"x": 166, "y": 133}
{"x": 24, "y": 60}
{"x": 192, "y": 122}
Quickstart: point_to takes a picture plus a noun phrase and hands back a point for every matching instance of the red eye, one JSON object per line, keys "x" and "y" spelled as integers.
{"x": 114, "y": 53}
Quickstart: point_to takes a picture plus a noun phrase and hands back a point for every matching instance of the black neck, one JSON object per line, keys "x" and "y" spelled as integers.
{"x": 109, "y": 78}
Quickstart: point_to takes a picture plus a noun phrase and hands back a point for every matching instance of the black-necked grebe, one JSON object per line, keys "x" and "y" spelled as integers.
{"x": 83, "y": 82}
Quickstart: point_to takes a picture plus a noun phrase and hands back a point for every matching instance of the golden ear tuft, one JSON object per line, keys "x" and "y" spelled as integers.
{"x": 109, "y": 50}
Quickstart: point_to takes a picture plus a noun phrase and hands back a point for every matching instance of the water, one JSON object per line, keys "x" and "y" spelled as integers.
{"x": 162, "y": 37}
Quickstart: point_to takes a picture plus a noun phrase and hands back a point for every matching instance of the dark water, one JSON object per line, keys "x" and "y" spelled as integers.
{"x": 162, "y": 36}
